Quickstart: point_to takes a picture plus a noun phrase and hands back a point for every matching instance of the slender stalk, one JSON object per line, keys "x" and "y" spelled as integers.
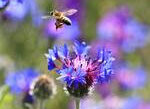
{"x": 40, "y": 104}
{"x": 78, "y": 103}
{"x": 140, "y": 52}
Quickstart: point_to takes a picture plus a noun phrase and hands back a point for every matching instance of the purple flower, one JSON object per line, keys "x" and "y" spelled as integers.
{"x": 131, "y": 78}
{"x": 135, "y": 102}
{"x": 17, "y": 10}
{"x": 144, "y": 105}
{"x": 115, "y": 102}
{"x": 110, "y": 45}
{"x": 132, "y": 103}
{"x": 88, "y": 103}
{"x": 67, "y": 32}
{"x": 77, "y": 69}
{"x": 120, "y": 27}
{"x": 34, "y": 11}
{"x": 117, "y": 19}
{"x": 20, "y": 81}
{"x": 104, "y": 90}
{"x": 136, "y": 36}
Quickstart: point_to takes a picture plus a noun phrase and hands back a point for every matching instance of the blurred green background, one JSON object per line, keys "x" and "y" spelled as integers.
{"x": 23, "y": 45}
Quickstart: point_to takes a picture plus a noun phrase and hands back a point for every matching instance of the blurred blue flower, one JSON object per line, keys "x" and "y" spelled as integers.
{"x": 34, "y": 11}
{"x": 117, "y": 19}
{"x": 116, "y": 102}
{"x": 77, "y": 68}
{"x": 20, "y": 81}
{"x": 67, "y": 32}
{"x": 73, "y": 4}
{"x": 131, "y": 103}
{"x": 136, "y": 35}
{"x": 128, "y": 32}
{"x": 104, "y": 90}
{"x": 110, "y": 45}
{"x": 144, "y": 105}
{"x": 90, "y": 103}
{"x": 131, "y": 78}
{"x": 17, "y": 10}
{"x": 79, "y": 5}
{"x": 113, "y": 102}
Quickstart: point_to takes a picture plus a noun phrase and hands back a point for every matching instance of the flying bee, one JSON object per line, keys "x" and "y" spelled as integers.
{"x": 61, "y": 17}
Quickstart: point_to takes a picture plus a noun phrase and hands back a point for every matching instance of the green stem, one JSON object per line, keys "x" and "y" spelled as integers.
{"x": 40, "y": 104}
{"x": 77, "y": 103}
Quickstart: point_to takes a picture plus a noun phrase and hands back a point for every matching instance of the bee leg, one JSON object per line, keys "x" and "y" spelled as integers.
{"x": 58, "y": 25}
{"x": 61, "y": 25}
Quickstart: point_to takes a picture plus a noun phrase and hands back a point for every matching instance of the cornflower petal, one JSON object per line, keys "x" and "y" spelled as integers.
{"x": 81, "y": 48}
{"x": 51, "y": 64}
{"x": 106, "y": 60}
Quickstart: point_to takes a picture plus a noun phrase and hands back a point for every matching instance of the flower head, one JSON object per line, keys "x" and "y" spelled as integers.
{"x": 77, "y": 70}
{"x": 42, "y": 87}
{"x": 20, "y": 81}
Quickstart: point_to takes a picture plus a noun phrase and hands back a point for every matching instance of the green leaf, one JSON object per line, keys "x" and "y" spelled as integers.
{"x": 3, "y": 91}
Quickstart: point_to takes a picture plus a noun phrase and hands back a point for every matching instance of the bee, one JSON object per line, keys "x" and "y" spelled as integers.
{"x": 61, "y": 17}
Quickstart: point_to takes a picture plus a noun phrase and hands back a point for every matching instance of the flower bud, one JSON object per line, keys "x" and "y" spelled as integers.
{"x": 42, "y": 87}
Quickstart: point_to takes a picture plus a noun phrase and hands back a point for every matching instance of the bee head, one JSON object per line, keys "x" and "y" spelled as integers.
{"x": 51, "y": 13}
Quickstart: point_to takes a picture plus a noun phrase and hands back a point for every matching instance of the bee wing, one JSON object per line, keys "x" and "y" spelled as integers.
{"x": 46, "y": 17}
{"x": 69, "y": 12}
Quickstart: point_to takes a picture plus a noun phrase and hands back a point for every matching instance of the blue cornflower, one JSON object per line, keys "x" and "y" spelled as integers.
{"x": 20, "y": 81}
{"x": 16, "y": 10}
{"x": 69, "y": 76}
{"x": 77, "y": 70}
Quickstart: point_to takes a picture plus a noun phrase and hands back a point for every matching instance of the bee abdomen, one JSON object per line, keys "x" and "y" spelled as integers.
{"x": 66, "y": 21}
